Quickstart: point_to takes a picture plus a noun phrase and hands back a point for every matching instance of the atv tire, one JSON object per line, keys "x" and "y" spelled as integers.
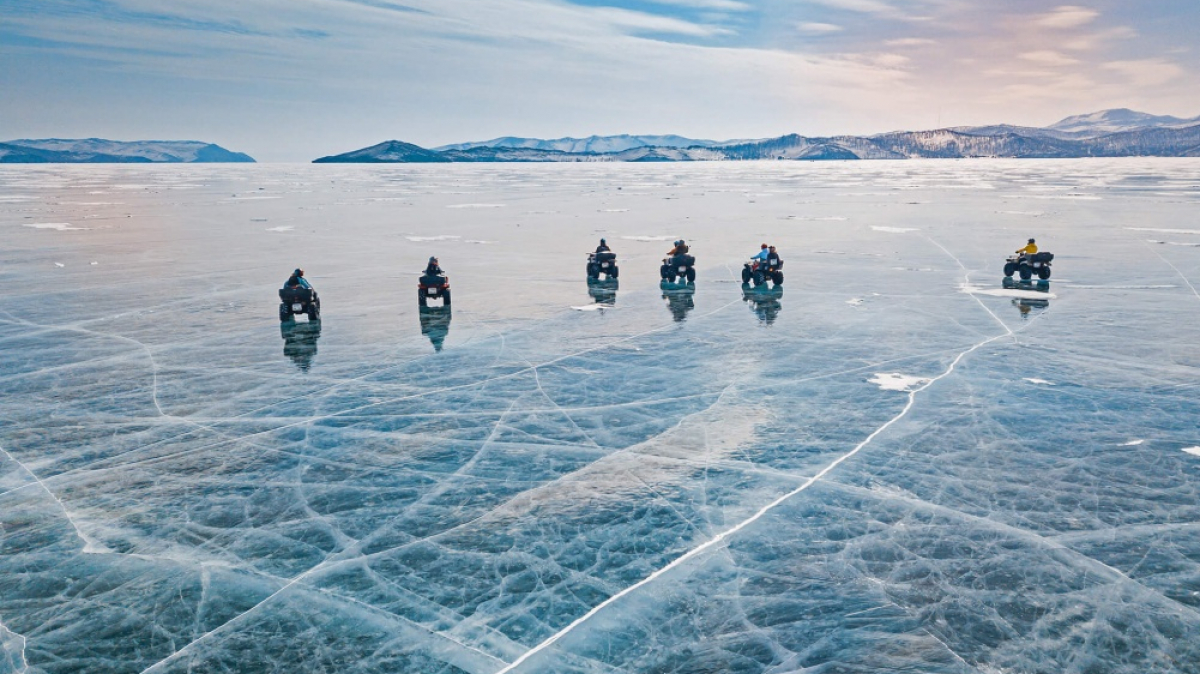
{"x": 1043, "y": 273}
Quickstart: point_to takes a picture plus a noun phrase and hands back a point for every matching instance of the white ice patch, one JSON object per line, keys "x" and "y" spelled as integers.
{"x": 1032, "y": 214}
{"x": 894, "y": 230}
{"x": 614, "y": 210}
{"x": 855, "y": 302}
{"x": 60, "y": 226}
{"x": 1194, "y": 451}
{"x": 1032, "y": 380}
{"x": 593, "y": 307}
{"x": 478, "y": 241}
{"x": 895, "y": 381}
{"x": 476, "y": 206}
{"x": 443, "y": 237}
{"x": 1145, "y": 287}
{"x": 59, "y": 265}
{"x": 1163, "y": 231}
{"x": 1133, "y": 443}
{"x": 642, "y": 237}
{"x": 281, "y": 228}
{"x": 1009, "y": 292}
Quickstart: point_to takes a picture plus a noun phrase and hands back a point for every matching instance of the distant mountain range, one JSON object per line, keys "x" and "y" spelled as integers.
{"x": 1109, "y": 133}
{"x": 100, "y": 151}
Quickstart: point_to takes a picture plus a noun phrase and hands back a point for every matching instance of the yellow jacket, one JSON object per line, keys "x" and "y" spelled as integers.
{"x": 1029, "y": 249}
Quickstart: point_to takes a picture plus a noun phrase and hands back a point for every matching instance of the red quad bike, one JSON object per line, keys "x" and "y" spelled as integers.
{"x": 759, "y": 272}
{"x": 432, "y": 287}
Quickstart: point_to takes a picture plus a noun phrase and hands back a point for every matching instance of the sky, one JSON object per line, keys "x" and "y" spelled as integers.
{"x": 292, "y": 80}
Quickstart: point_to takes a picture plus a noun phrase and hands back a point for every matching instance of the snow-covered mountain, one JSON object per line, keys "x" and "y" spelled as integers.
{"x": 594, "y": 144}
{"x": 94, "y": 150}
{"x": 1116, "y": 120}
{"x": 1109, "y": 133}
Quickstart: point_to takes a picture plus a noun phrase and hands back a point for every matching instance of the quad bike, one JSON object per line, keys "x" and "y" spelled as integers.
{"x": 602, "y": 263}
{"x": 298, "y": 300}
{"x": 759, "y": 272}
{"x": 432, "y": 287}
{"x": 1027, "y": 266}
{"x": 681, "y": 267}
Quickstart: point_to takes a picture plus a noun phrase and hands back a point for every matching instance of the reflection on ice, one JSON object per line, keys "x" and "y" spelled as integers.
{"x": 764, "y": 301}
{"x": 300, "y": 341}
{"x": 435, "y": 324}
{"x": 604, "y": 291}
{"x": 680, "y": 298}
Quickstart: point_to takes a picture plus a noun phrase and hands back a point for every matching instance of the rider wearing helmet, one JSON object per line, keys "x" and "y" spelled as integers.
{"x": 1029, "y": 249}
{"x": 297, "y": 280}
{"x": 681, "y": 248}
{"x": 432, "y": 269}
{"x": 603, "y": 247}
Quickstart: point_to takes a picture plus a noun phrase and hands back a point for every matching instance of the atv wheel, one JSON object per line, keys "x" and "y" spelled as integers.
{"x": 665, "y": 271}
{"x": 285, "y": 313}
{"x": 1025, "y": 271}
{"x": 446, "y": 297}
{"x": 314, "y": 313}
{"x": 1044, "y": 273}
{"x": 614, "y": 272}
{"x": 1010, "y": 268}
{"x": 691, "y": 275}
{"x": 746, "y": 275}
{"x": 421, "y": 298}
{"x": 778, "y": 278}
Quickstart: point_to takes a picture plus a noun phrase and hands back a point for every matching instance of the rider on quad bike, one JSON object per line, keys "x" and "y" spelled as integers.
{"x": 434, "y": 284}
{"x": 1027, "y": 261}
{"x": 603, "y": 261}
{"x": 765, "y": 266}
{"x": 297, "y": 296}
{"x": 678, "y": 264}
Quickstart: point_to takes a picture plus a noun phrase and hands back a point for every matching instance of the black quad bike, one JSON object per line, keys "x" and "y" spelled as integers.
{"x": 299, "y": 301}
{"x": 759, "y": 272}
{"x": 1027, "y": 266}
{"x": 432, "y": 287}
{"x": 602, "y": 263}
{"x": 682, "y": 267}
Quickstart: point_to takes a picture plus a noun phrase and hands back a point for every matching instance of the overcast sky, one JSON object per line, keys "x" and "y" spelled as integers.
{"x": 291, "y": 80}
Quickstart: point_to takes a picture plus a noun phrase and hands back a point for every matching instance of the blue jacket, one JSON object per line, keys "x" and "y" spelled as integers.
{"x": 297, "y": 282}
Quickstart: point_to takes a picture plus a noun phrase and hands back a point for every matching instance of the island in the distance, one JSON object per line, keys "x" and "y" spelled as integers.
{"x": 1108, "y": 133}
{"x": 101, "y": 151}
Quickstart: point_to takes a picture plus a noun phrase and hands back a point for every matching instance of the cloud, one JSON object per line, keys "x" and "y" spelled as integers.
{"x": 812, "y": 28}
{"x": 1049, "y": 58}
{"x": 1147, "y": 72}
{"x": 721, "y": 5}
{"x": 910, "y": 42}
{"x": 863, "y": 6}
{"x": 1066, "y": 16}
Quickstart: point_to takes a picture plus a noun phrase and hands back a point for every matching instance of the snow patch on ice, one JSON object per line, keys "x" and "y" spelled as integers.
{"x": 614, "y": 210}
{"x": 1194, "y": 451}
{"x": 60, "y": 226}
{"x": 1173, "y": 243}
{"x": 1163, "y": 231}
{"x": 1034, "y": 380}
{"x": 1032, "y": 214}
{"x": 476, "y": 206}
{"x": 1133, "y": 443}
{"x": 441, "y": 237}
{"x": 894, "y": 230}
{"x": 647, "y": 238}
{"x": 895, "y": 381}
{"x": 593, "y": 307}
{"x": 281, "y": 228}
{"x": 855, "y": 302}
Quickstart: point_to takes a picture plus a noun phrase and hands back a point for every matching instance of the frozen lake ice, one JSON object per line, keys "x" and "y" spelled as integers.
{"x": 895, "y": 465}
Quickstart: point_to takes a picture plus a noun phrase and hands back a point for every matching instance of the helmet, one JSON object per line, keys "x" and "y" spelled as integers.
{"x": 1031, "y": 241}
{"x": 764, "y": 245}
{"x": 602, "y": 242}
{"x": 298, "y": 272}
{"x": 432, "y": 258}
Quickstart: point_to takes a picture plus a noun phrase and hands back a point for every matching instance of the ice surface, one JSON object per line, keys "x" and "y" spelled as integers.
{"x": 519, "y": 484}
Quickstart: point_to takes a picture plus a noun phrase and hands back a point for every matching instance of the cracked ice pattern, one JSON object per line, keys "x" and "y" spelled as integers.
{"x": 184, "y": 486}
